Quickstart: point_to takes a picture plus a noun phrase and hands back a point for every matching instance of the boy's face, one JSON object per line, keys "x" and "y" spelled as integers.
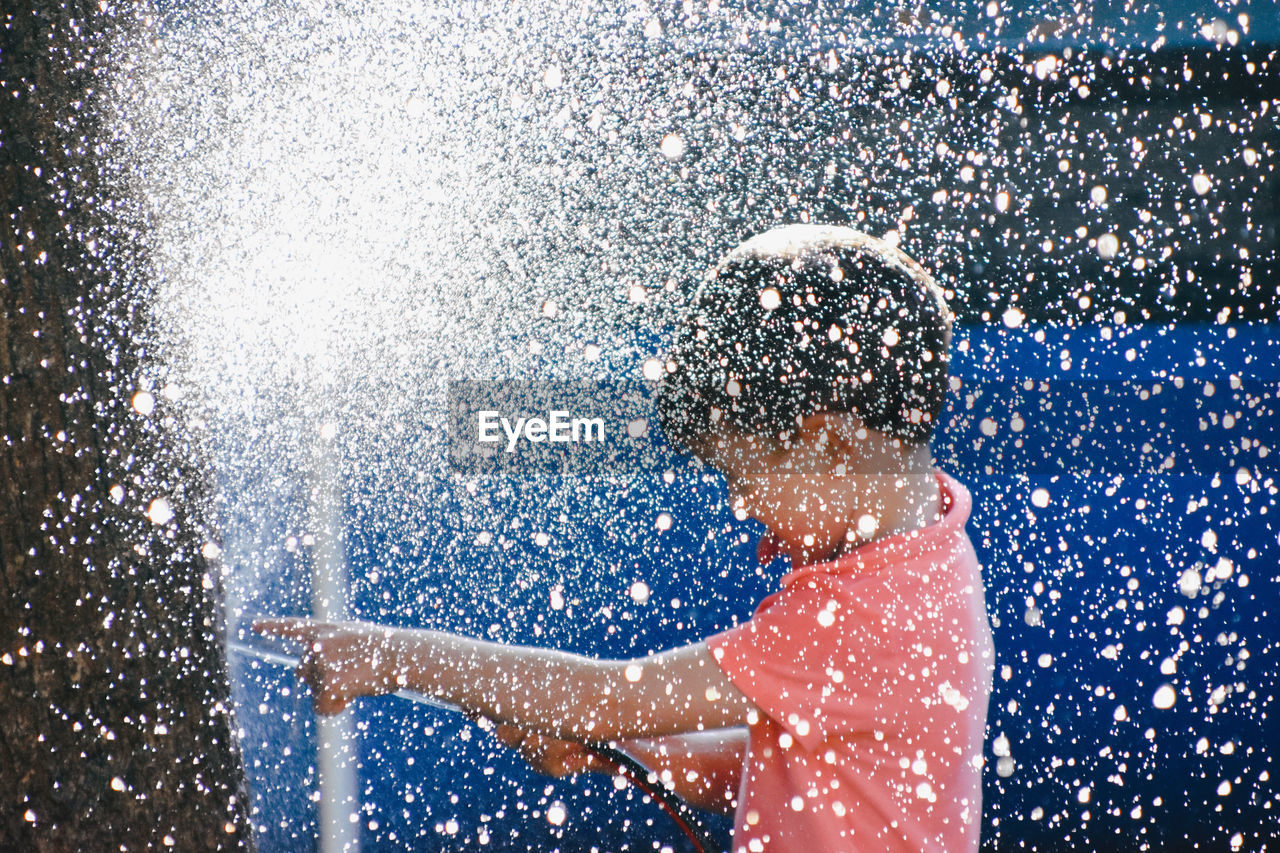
{"x": 833, "y": 483}
{"x": 790, "y": 487}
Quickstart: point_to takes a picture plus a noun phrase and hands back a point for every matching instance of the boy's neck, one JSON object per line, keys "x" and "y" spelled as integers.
{"x": 910, "y": 502}
{"x": 885, "y": 494}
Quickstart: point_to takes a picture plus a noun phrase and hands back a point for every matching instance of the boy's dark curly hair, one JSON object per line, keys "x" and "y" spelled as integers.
{"x": 805, "y": 319}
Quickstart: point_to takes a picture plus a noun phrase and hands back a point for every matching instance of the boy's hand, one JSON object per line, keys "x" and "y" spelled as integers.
{"x": 343, "y": 659}
{"x": 547, "y": 755}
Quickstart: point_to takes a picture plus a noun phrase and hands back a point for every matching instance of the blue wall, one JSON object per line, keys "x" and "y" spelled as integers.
{"x": 1091, "y": 580}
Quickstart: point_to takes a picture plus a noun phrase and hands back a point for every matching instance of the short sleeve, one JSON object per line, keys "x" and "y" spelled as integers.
{"x": 818, "y": 657}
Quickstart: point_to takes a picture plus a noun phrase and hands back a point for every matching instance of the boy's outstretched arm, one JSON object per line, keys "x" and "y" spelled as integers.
{"x": 555, "y": 693}
{"x": 703, "y": 768}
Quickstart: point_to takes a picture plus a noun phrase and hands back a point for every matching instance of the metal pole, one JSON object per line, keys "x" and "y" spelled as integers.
{"x": 339, "y": 817}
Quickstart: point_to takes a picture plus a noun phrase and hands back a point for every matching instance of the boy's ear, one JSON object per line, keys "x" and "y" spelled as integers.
{"x": 833, "y": 431}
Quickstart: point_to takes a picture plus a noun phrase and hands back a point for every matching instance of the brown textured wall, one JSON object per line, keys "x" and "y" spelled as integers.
{"x": 115, "y": 730}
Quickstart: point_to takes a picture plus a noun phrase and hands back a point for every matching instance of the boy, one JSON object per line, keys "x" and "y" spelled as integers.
{"x": 810, "y": 374}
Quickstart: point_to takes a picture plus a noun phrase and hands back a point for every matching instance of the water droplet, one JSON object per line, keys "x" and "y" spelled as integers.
{"x": 159, "y": 511}
{"x": 867, "y": 525}
{"x": 1108, "y": 246}
{"x": 144, "y": 403}
{"x": 672, "y": 146}
{"x": 1189, "y": 583}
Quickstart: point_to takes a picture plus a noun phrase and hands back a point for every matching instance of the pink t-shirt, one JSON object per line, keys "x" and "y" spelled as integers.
{"x": 872, "y": 673}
